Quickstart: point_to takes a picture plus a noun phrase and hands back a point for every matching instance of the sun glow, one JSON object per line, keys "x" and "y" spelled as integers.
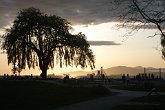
{"x": 137, "y": 50}
{"x": 134, "y": 50}
{"x": 103, "y": 31}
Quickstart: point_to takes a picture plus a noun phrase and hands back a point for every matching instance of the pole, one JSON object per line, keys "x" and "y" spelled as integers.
{"x": 144, "y": 70}
{"x": 101, "y": 70}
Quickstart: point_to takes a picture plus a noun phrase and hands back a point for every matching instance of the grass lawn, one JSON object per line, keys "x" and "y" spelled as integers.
{"x": 142, "y": 86}
{"x": 37, "y": 95}
{"x": 144, "y": 103}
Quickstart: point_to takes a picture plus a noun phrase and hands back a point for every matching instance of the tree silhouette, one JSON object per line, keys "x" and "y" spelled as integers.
{"x": 36, "y": 39}
{"x": 146, "y": 14}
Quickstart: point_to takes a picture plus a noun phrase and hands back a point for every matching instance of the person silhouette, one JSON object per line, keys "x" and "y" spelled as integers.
{"x": 123, "y": 78}
{"x": 127, "y": 79}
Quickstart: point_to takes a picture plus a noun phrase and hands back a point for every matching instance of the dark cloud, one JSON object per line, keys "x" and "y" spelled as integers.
{"x": 102, "y": 43}
{"x": 76, "y": 11}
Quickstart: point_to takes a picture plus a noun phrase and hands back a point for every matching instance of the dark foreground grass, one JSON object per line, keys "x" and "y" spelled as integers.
{"x": 137, "y": 107}
{"x": 142, "y": 86}
{"x": 144, "y": 103}
{"x": 37, "y": 95}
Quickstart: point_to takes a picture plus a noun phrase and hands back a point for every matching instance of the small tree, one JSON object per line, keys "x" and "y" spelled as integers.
{"x": 36, "y": 39}
{"x": 146, "y": 14}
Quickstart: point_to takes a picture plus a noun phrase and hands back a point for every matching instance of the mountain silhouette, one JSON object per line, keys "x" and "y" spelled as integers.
{"x": 117, "y": 70}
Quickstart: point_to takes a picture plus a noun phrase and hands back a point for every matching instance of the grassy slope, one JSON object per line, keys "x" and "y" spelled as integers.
{"x": 142, "y": 86}
{"x": 37, "y": 95}
{"x": 144, "y": 103}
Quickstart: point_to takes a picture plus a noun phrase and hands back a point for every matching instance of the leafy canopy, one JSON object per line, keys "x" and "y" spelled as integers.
{"x": 37, "y": 39}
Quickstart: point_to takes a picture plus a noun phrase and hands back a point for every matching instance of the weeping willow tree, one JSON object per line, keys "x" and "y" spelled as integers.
{"x": 36, "y": 39}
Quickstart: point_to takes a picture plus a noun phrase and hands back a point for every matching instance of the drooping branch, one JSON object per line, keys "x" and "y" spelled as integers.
{"x": 38, "y": 38}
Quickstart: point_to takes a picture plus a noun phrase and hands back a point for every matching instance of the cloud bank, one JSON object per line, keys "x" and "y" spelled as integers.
{"x": 102, "y": 43}
{"x": 76, "y": 11}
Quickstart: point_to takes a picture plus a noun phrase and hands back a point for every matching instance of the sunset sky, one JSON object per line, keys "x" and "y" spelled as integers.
{"x": 96, "y": 20}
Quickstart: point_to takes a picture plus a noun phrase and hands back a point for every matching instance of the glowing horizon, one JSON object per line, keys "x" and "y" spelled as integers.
{"x": 137, "y": 50}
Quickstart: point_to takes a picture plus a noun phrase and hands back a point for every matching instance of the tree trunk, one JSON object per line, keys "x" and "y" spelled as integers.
{"x": 44, "y": 73}
{"x": 44, "y": 68}
{"x": 43, "y": 64}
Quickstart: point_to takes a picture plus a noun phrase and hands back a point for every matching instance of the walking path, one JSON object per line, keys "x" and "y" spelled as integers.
{"x": 106, "y": 103}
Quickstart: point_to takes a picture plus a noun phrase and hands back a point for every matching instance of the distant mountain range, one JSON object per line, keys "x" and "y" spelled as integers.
{"x": 117, "y": 71}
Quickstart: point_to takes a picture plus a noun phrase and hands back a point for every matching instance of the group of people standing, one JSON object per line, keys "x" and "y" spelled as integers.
{"x": 125, "y": 79}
